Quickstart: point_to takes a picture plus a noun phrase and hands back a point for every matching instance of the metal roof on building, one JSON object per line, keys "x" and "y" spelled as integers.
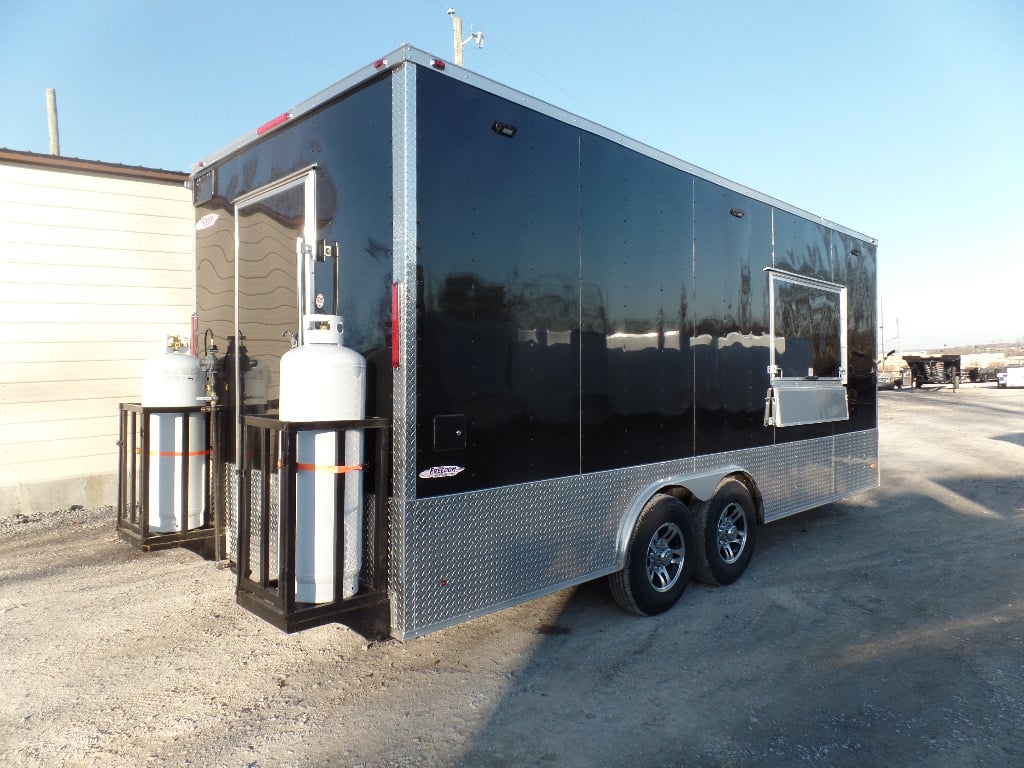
{"x": 78, "y": 165}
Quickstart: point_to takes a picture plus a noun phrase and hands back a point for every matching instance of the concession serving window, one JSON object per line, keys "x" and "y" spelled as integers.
{"x": 807, "y": 365}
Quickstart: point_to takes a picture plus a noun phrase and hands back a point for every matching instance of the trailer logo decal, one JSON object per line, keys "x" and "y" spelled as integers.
{"x": 207, "y": 221}
{"x": 435, "y": 472}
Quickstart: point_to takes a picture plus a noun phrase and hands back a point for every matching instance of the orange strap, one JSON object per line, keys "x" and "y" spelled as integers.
{"x": 337, "y": 470}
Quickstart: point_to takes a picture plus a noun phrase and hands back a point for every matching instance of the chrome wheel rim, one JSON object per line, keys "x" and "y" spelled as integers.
{"x": 732, "y": 533}
{"x": 666, "y": 552}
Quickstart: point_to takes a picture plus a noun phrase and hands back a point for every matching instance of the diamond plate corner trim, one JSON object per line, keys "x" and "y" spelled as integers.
{"x": 852, "y": 473}
{"x": 403, "y": 149}
{"x": 403, "y": 129}
{"x": 467, "y": 555}
{"x": 397, "y": 571}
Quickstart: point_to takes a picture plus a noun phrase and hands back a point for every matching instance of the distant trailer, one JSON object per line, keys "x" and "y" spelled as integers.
{"x": 934, "y": 369}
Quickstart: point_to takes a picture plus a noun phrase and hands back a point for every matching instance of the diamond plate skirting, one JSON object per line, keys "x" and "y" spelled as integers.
{"x": 231, "y": 508}
{"x": 230, "y": 495}
{"x": 457, "y": 557}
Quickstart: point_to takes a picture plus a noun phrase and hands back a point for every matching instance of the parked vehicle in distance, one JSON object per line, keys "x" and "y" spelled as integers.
{"x": 890, "y": 380}
{"x": 979, "y": 375}
{"x": 1012, "y": 377}
{"x": 1001, "y": 379}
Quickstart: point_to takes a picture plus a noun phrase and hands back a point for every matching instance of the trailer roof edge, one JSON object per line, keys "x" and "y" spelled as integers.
{"x": 408, "y": 53}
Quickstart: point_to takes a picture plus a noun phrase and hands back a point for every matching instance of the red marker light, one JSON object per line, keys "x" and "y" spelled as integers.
{"x": 272, "y": 124}
{"x": 394, "y": 325}
{"x": 380, "y": 63}
{"x": 437, "y": 64}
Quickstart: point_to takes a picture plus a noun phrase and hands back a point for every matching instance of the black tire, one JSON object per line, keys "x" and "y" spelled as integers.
{"x": 659, "y": 559}
{"x": 726, "y": 531}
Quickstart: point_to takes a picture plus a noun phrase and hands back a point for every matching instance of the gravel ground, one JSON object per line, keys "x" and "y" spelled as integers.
{"x": 884, "y": 630}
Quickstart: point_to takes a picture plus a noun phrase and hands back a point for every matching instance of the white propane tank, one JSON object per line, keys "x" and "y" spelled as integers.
{"x": 325, "y": 381}
{"x": 173, "y": 379}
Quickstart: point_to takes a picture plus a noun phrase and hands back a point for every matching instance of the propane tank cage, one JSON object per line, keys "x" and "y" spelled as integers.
{"x": 133, "y": 483}
{"x": 267, "y": 527}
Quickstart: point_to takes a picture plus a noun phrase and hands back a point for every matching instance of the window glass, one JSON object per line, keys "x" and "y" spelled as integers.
{"x": 807, "y": 329}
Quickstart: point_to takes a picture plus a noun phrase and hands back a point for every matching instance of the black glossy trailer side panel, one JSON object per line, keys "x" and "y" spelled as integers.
{"x": 637, "y": 285}
{"x": 349, "y": 141}
{"x": 856, "y": 268}
{"x": 499, "y": 328}
{"x": 584, "y": 306}
{"x": 730, "y": 309}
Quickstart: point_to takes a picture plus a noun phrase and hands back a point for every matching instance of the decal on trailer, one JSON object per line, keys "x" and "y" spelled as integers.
{"x": 436, "y": 472}
{"x": 207, "y": 221}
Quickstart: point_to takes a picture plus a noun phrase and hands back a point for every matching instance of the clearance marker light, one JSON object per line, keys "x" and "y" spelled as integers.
{"x": 380, "y": 63}
{"x": 504, "y": 129}
{"x": 394, "y": 325}
{"x": 437, "y": 64}
{"x": 272, "y": 124}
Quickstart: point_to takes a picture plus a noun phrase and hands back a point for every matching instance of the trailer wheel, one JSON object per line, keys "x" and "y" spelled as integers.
{"x": 726, "y": 528}
{"x": 659, "y": 560}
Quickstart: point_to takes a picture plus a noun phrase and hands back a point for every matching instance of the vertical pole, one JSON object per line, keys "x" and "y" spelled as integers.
{"x": 51, "y": 115}
{"x": 287, "y": 517}
{"x": 122, "y": 463}
{"x": 341, "y": 481}
{"x": 264, "y": 437}
{"x": 380, "y": 496}
{"x": 144, "y": 470}
{"x": 881, "y": 330}
{"x": 243, "y": 511}
{"x": 186, "y": 419}
{"x": 214, "y": 485}
{"x": 337, "y": 278}
{"x": 135, "y": 459}
{"x": 457, "y": 34}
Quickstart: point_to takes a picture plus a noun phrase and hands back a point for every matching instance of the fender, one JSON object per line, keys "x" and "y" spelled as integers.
{"x": 701, "y": 485}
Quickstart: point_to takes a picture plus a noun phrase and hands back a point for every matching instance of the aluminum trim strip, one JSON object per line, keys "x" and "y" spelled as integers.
{"x": 403, "y": 148}
{"x": 277, "y": 185}
{"x": 404, "y": 271}
{"x": 812, "y": 282}
{"x": 817, "y": 284}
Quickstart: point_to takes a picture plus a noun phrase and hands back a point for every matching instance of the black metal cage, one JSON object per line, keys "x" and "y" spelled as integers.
{"x": 267, "y": 526}
{"x": 135, "y": 460}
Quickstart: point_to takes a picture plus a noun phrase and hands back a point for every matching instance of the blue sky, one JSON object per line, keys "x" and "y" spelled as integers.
{"x": 902, "y": 119}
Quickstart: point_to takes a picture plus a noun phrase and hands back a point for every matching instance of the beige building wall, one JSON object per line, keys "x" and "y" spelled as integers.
{"x": 97, "y": 266}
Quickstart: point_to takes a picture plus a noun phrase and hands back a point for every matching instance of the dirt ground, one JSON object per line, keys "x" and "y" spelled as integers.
{"x": 884, "y": 630}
